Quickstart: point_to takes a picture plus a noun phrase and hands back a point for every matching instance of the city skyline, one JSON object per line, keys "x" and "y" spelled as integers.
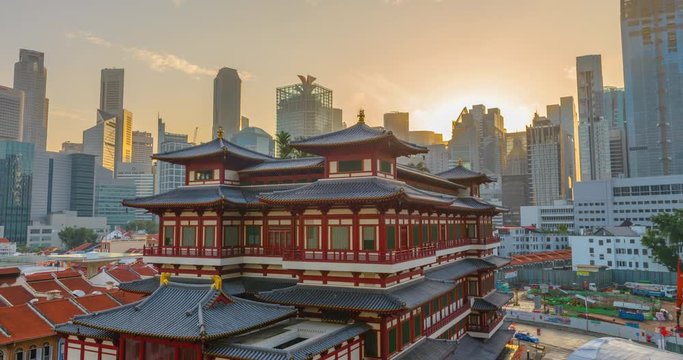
{"x": 169, "y": 72}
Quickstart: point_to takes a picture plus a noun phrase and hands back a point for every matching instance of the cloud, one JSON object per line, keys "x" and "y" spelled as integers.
{"x": 156, "y": 60}
{"x": 570, "y": 72}
{"x": 178, "y": 3}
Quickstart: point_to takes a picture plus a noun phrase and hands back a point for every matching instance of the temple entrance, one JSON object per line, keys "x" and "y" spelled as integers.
{"x": 403, "y": 237}
{"x": 279, "y": 239}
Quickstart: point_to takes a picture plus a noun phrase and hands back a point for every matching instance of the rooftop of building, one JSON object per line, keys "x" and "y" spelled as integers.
{"x": 465, "y": 348}
{"x": 14, "y": 295}
{"x": 58, "y": 311}
{"x": 541, "y": 257}
{"x": 20, "y": 323}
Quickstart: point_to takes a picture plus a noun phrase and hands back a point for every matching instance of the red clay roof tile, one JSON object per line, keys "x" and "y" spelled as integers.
{"x": 22, "y": 323}
{"x": 16, "y": 295}
{"x": 122, "y": 274}
{"x": 95, "y": 303}
{"x": 58, "y": 311}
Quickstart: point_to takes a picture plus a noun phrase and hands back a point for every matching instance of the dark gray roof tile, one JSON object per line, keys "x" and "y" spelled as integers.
{"x": 490, "y": 349}
{"x": 430, "y": 349}
{"x": 491, "y": 302}
{"x": 286, "y": 164}
{"x": 458, "y": 269}
{"x": 211, "y": 148}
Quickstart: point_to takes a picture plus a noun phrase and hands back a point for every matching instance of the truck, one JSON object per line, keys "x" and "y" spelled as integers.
{"x": 631, "y": 315}
{"x": 651, "y": 290}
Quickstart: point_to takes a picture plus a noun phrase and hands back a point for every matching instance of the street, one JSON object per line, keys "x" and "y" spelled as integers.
{"x": 558, "y": 344}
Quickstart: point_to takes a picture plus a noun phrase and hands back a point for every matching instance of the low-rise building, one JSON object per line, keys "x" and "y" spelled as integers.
{"x": 616, "y": 247}
{"x": 559, "y": 216}
{"x": 7, "y": 248}
{"x": 47, "y": 233}
{"x": 526, "y": 240}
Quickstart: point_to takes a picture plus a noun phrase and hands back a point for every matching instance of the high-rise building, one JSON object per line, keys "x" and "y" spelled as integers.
{"x": 593, "y": 128}
{"x": 398, "y": 123}
{"x": 227, "y": 95}
{"x": 545, "y": 152}
{"x": 478, "y": 139}
{"x": 142, "y": 177}
{"x": 71, "y": 148}
{"x": 16, "y": 170}
{"x": 255, "y": 139}
{"x": 11, "y": 114}
{"x": 515, "y": 179}
{"x": 100, "y": 140}
{"x": 338, "y": 119}
{"x": 653, "y": 79}
{"x": 124, "y": 137}
{"x": 30, "y": 76}
{"x": 109, "y": 193}
{"x": 304, "y": 109}
{"x": 143, "y": 144}
{"x": 70, "y": 183}
{"x": 169, "y": 176}
{"x": 564, "y": 115}
{"x": 111, "y": 90}
{"x": 614, "y": 109}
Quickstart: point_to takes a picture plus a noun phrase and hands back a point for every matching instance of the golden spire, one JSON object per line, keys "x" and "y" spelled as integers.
{"x": 164, "y": 278}
{"x": 217, "y": 282}
{"x": 460, "y": 162}
{"x": 361, "y": 116}
{"x": 219, "y": 132}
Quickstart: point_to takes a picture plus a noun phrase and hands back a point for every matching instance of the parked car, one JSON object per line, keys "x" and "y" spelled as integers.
{"x": 522, "y": 336}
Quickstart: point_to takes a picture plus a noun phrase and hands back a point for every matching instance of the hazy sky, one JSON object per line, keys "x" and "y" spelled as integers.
{"x": 427, "y": 57}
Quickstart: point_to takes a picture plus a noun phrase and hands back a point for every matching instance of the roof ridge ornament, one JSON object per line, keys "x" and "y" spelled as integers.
{"x": 164, "y": 278}
{"x": 460, "y": 161}
{"x": 220, "y": 133}
{"x": 361, "y": 116}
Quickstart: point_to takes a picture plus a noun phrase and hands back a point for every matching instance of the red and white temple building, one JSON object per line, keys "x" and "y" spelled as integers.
{"x": 341, "y": 255}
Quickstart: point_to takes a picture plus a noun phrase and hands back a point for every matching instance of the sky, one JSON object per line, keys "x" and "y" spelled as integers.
{"x": 427, "y": 57}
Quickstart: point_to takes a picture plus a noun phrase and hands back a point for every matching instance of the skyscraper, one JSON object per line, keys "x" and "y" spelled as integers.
{"x": 111, "y": 90}
{"x": 398, "y": 123}
{"x": 16, "y": 163}
{"x": 30, "y": 76}
{"x": 545, "y": 152}
{"x": 564, "y": 115}
{"x": 142, "y": 177}
{"x": 169, "y": 176}
{"x": 614, "y": 109}
{"x": 124, "y": 137}
{"x": 593, "y": 129}
{"x": 653, "y": 79}
{"x": 11, "y": 114}
{"x": 227, "y": 95}
{"x": 338, "y": 119}
{"x": 515, "y": 178}
{"x": 478, "y": 138}
{"x": 100, "y": 140}
{"x": 142, "y": 147}
{"x": 304, "y": 109}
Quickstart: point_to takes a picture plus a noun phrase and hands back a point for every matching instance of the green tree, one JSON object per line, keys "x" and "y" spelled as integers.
{"x": 665, "y": 239}
{"x": 73, "y": 236}
{"x": 150, "y": 227}
{"x": 419, "y": 166}
{"x": 284, "y": 149}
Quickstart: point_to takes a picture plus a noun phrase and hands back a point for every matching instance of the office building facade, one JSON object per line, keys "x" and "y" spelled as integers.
{"x": 143, "y": 144}
{"x": 593, "y": 127}
{"x": 546, "y": 148}
{"x": 611, "y": 202}
{"x": 653, "y": 79}
{"x": 304, "y": 109}
{"x": 555, "y": 217}
{"x": 515, "y": 187}
{"x": 528, "y": 240}
{"x": 100, "y": 140}
{"x": 111, "y": 90}
{"x": 169, "y": 176}
{"x": 11, "y": 114}
{"x": 227, "y": 98}
{"x": 398, "y": 123}
{"x": 16, "y": 172}
{"x": 142, "y": 177}
{"x": 255, "y": 139}
{"x": 47, "y": 234}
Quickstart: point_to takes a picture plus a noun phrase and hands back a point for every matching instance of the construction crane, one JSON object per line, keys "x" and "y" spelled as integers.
{"x": 194, "y": 137}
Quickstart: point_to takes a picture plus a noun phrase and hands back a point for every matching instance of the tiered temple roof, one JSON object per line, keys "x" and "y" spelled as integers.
{"x": 216, "y": 149}
{"x": 491, "y": 302}
{"x": 190, "y": 313}
{"x": 232, "y": 286}
{"x": 462, "y": 175}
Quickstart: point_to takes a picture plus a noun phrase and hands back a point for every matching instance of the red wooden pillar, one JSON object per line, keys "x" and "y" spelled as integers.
{"x": 324, "y": 229}
{"x": 478, "y": 234}
{"x": 200, "y": 233}
{"x": 399, "y": 334}
{"x": 383, "y": 339}
{"x": 420, "y": 233}
{"x": 218, "y": 242}
{"x": 177, "y": 231}
{"x": 301, "y": 236}
{"x": 355, "y": 233}
{"x": 66, "y": 342}
{"x": 382, "y": 231}
{"x": 265, "y": 241}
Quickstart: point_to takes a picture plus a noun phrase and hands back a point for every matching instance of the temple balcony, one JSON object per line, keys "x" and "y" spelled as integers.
{"x": 487, "y": 330}
{"x": 351, "y": 256}
{"x": 447, "y": 321}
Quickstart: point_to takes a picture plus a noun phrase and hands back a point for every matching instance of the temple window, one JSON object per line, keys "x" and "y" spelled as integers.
{"x": 203, "y": 175}
{"x": 416, "y": 235}
{"x": 188, "y": 236}
{"x": 253, "y": 235}
{"x": 417, "y": 325}
{"x": 231, "y": 236}
{"x": 405, "y": 332}
{"x": 209, "y": 236}
{"x": 434, "y": 232}
{"x": 474, "y": 319}
{"x": 425, "y": 233}
{"x": 393, "y": 339}
{"x": 385, "y": 166}
{"x": 47, "y": 352}
{"x": 473, "y": 287}
{"x": 350, "y": 166}
{"x": 339, "y": 238}
{"x": 168, "y": 235}
{"x": 369, "y": 237}
{"x": 391, "y": 237}
{"x": 312, "y": 237}
{"x": 371, "y": 343}
{"x": 471, "y": 231}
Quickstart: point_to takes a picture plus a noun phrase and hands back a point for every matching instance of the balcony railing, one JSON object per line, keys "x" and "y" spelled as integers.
{"x": 351, "y": 256}
{"x": 189, "y": 251}
{"x": 485, "y": 328}
{"x": 445, "y": 320}
{"x": 485, "y": 241}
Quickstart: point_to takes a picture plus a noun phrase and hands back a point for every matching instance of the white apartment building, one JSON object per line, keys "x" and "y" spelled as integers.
{"x": 44, "y": 235}
{"x": 610, "y": 202}
{"x": 549, "y": 217}
{"x": 7, "y": 248}
{"x": 526, "y": 240}
{"x": 616, "y": 247}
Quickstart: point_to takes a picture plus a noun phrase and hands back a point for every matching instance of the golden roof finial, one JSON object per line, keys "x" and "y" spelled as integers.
{"x": 217, "y": 282}
{"x": 220, "y": 132}
{"x": 460, "y": 162}
{"x": 164, "y": 278}
{"x": 361, "y": 116}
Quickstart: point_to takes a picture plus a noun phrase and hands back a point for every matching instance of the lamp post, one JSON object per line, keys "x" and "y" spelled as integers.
{"x": 586, "y": 300}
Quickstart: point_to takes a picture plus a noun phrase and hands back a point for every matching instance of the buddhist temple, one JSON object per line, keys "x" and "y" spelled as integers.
{"x": 344, "y": 254}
